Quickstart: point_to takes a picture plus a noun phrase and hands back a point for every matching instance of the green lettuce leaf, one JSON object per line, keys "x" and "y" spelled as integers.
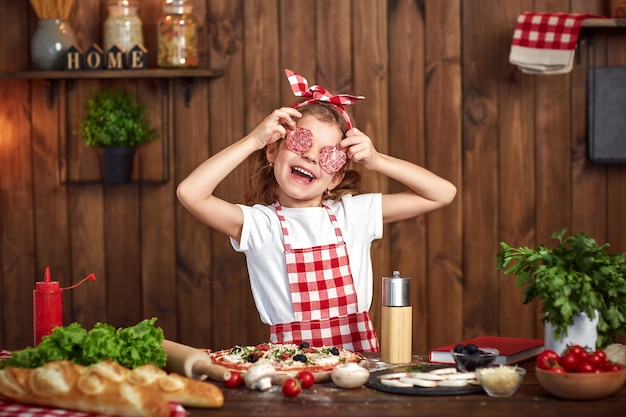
{"x": 129, "y": 346}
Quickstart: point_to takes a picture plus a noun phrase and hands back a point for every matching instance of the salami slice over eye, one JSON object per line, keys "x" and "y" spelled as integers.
{"x": 299, "y": 140}
{"x": 332, "y": 159}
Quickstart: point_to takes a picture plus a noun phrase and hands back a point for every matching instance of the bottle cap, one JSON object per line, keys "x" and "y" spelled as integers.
{"x": 396, "y": 291}
{"x": 51, "y": 286}
{"x": 47, "y": 284}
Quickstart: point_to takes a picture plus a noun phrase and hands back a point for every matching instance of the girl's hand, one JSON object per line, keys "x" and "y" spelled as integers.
{"x": 359, "y": 148}
{"x": 275, "y": 126}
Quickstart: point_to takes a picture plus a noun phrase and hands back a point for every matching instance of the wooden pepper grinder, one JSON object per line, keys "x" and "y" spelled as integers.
{"x": 396, "y": 323}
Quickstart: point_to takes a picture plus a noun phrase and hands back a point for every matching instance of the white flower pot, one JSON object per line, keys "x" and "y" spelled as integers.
{"x": 583, "y": 332}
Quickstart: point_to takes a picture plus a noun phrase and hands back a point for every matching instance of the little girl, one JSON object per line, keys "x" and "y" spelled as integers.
{"x": 306, "y": 230}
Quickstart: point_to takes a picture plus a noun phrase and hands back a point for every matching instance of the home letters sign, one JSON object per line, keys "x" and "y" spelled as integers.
{"x": 115, "y": 58}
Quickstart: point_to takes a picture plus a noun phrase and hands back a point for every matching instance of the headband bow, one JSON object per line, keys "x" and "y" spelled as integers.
{"x": 317, "y": 93}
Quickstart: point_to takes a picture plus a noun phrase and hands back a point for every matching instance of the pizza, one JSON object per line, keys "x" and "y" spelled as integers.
{"x": 286, "y": 358}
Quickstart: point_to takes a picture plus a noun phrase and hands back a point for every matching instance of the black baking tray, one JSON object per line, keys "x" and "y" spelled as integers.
{"x": 374, "y": 383}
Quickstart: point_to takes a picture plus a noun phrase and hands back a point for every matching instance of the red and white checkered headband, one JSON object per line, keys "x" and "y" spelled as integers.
{"x": 317, "y": 93}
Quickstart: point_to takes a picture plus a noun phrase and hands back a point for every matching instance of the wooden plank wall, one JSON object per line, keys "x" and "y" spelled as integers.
{"x": 439, "y": 92}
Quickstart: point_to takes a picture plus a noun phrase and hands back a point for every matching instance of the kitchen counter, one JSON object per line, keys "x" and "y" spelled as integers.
{"x": 329, "y": 401}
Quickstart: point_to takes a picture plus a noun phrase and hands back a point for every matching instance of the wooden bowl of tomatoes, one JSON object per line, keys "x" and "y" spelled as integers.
{"x": 579, "y": 374}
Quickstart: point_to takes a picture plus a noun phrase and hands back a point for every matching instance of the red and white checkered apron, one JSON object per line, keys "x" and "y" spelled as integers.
{"x": 323, "y": 297}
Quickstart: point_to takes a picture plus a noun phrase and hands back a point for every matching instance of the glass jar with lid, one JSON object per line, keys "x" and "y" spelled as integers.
{"x": 123, "y": 26}
{"x": 177, "y": 36}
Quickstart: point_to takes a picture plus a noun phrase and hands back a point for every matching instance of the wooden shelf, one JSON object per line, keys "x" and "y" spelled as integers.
{"x": 604, "y": 23}
{"x": 107, "y": 74}
{"x": 52, "y": 78}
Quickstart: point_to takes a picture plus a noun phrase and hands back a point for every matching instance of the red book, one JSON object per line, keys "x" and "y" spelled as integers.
{"x": 512, "y": 349}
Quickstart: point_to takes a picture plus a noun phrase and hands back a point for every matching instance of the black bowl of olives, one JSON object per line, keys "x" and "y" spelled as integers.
{"x": 470, "y": 357}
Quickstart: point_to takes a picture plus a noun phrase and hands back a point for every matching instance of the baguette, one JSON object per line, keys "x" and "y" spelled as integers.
{"x": 106, "y": 388}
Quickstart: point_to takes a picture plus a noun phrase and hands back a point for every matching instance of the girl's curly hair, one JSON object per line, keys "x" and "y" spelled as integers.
{"x": 262, "y": 185}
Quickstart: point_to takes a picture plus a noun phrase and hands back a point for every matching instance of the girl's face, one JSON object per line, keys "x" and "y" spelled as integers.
{"x": 302, "y": 181}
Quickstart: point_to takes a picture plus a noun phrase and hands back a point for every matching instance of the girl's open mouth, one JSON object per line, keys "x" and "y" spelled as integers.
{"x": 303, "y": 173}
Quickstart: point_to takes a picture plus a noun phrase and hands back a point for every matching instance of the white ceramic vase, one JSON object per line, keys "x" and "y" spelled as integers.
{"x": 583, "y": 332}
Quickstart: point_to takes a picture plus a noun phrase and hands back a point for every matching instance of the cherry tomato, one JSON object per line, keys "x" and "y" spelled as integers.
{"x": 586, "y": 367}
{"x": 577, "y": 349}
{"x": 263, "y": 346}
{"x": 611, "y": 367}
{"x": 547, "y": 359}
{"x": 583, "y": 356}
{"x": 234, "y": 381}
{"x": 598, "y": 358}
{"x": 570, "y": 362}
{"x": 291, "y": 387}
{"x": 306, "y": 378}
{"x": 557, "y": 369}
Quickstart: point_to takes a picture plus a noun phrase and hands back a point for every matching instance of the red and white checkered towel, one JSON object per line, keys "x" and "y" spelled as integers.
{"x": 545, "y": 43}
{"x": 20, "y": 410}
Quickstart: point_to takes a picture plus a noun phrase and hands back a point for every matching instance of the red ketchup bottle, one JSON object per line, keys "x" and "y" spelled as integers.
{"x": 48, "y": 305}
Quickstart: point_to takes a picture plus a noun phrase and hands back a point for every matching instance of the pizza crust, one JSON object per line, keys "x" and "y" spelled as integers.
{"x": 320, "y": 362}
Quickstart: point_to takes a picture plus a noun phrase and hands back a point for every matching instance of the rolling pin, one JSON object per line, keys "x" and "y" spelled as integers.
{"x": 192, "y": 362}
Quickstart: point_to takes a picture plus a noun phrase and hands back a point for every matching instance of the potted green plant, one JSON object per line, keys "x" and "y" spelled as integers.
{"x": 575, "y": 277}
{"x": 116, "y": 123}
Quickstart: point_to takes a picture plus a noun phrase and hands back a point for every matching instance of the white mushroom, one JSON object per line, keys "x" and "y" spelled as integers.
{"x": 349, "y": 375}
{"x": 259, "y": 376}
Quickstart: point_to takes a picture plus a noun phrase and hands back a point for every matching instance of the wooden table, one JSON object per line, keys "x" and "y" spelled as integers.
{"x": 329, "y": 401}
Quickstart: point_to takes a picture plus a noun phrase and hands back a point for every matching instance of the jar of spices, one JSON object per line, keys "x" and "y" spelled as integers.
{"x": 123, "y": 26}
{"x": 177, "y": 36}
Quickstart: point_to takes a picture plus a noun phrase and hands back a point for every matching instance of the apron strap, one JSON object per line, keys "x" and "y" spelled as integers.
{"x": 285, "y": 230}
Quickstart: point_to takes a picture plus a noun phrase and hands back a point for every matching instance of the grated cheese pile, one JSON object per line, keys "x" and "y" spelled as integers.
{"x": 500, "y": 380}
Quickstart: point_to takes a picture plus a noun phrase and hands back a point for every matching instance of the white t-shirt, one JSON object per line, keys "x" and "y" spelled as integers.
{"x": 360, "y": 220}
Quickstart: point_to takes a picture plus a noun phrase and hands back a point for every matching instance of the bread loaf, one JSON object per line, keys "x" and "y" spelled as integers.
{"x": 106, "y": 388}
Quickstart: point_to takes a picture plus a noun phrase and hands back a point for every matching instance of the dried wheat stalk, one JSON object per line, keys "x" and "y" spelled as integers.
{"x": 52, "y": 9}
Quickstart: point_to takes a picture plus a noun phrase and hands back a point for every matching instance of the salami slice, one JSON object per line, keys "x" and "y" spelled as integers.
{"x": 299, "y": 140}
{"x": 332, "y": 159}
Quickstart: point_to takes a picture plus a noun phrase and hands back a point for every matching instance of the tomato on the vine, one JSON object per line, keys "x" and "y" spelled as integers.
{"x": 570, "y": 362}
{"x": 586, "y": 368}
{"x": 306, "y": 378}
{"x": 583, "y": 356}
{"x": 598, "y": 358}
{"x": 291, "y": 387}
{"x": 234, "y": 381}
{"x": 576, "y": 349}
{"x": 547, "y": 359}
{"x": 611, "y": 367}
